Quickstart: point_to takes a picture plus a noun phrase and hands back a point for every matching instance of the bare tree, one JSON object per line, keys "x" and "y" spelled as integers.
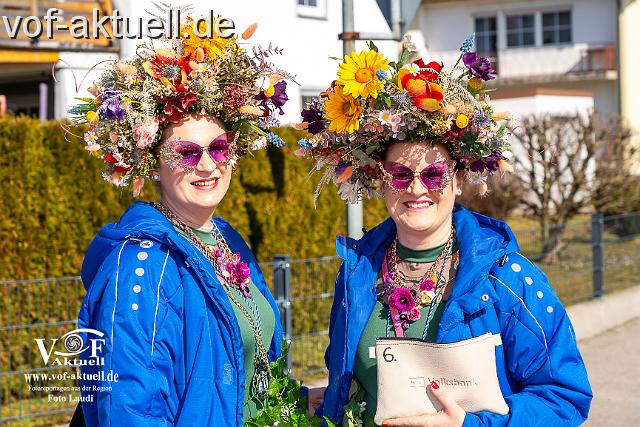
{"x": 563, "y": 161}
{"x": 502, "y": 198}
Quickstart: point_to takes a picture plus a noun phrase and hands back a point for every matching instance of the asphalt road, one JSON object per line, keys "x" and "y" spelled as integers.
{"x": 613, "y": 364}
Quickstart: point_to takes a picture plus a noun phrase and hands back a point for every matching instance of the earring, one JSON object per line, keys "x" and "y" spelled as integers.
{"x": 155, "y": 176}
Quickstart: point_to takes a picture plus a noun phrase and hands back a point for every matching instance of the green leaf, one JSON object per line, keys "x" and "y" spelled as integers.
{"x": 372, "y": 46}
{"x": 384, "y": 97}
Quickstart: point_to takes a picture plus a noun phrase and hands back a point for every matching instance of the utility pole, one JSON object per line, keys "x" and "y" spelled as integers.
{"x": 354, "y": 210}
{"x": 349, "y": 37}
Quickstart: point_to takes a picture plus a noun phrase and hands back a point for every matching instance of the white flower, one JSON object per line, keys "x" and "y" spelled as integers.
{"x": 259, "y": 143}
{"x": 349, "y": 191}
{"x": 386, "y": 117}
{"x": 144, "y": 132}
{"x": 408, "y": 44}
{"x": 90, "y": 137}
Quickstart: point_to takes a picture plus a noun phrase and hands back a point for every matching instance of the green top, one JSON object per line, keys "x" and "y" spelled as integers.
{"x": 413, "y": 265}
{"x": 365, "y": 369}
{"x": 425, "y": 255}
{"x": 251, "y": 405}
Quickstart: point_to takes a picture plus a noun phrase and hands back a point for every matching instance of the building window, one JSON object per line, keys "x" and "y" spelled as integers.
{"x": 521, "y": 30}
{"x": 487, "y": 39}
{"x": 556, "y": 27}
{"x": 312, "y": 9}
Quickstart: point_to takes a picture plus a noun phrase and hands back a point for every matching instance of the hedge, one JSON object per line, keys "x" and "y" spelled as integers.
{"x": 54, "y": 201}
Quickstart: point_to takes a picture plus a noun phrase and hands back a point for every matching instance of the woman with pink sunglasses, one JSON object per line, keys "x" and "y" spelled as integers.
{"x": 418, "y": 136}
{"x": 188, "y": 324}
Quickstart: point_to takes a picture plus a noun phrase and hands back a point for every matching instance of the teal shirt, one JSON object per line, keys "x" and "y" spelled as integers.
{"x": 267, "y": 320}
{"x": 365, "y": 369}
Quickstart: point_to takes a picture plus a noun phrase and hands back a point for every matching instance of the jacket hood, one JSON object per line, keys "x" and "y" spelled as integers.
{"x": 140, "y": 221}
{"x": 481, "y": 242}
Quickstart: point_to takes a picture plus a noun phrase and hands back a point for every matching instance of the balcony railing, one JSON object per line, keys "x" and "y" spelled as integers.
{"x": 597, "y": 58}
{"x": 546, "y": 62}
{"x": 60, "y": 36}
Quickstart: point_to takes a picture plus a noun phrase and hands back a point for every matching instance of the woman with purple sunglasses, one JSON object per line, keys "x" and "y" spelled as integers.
{"x": 187, "y": 322}
{"x": 418, "y": 136}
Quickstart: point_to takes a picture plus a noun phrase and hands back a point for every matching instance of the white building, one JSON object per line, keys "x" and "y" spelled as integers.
{"x": 307, "y": 30}
{"x": 577, "y": 54}
{"x": 550, "y": 56}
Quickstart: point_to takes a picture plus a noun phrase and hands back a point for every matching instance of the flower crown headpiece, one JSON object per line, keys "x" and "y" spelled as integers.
{"x": 135, "y": 100}
{"x": 374, "y": 103}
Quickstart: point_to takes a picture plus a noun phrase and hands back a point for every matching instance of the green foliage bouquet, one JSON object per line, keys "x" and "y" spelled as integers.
{"x": 284, "y": 405}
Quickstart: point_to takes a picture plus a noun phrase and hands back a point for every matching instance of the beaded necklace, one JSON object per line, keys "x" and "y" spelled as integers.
{"x": 406, "y": 298}
{"x": 235, "y": 279}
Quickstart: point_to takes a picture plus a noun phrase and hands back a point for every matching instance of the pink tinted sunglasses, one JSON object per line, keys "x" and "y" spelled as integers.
{"x": 187, "y": 154}
{"x": 436, "y": 176}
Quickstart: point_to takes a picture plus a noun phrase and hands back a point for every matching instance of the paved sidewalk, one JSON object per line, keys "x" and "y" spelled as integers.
{"x": 613, "y": 363}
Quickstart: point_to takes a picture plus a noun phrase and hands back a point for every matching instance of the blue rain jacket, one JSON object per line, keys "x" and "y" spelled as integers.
{"x": 497, "y": 290}
{"x": 170, "y": 332}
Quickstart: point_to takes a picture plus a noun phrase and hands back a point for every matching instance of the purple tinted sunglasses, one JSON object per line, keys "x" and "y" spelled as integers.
{"x": 436, "y": 176}
{"x": 187, "y": 154}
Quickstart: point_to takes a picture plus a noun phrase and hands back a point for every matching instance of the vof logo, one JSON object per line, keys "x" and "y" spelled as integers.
{"x": 74, "y": 346}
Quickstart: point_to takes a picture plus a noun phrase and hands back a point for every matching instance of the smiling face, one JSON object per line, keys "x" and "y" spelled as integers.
{"x": 194, "y": 193}
{"x": 422, "y": 216}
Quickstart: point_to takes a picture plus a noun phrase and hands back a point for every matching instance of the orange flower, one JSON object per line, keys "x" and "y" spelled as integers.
{"x": 246, "y": 35}
{"x": 348, "y": 171}
{"x": 424, "y": 94}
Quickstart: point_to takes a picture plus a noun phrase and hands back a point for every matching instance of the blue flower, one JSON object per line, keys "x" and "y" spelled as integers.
{"x": 75, "y": 110}
{"x": 304, "y": 143}
{"x": 482, "y": 119}
{"x": 467, "y": 45}
{"x": 381, "y": 74}
{"x": 274, "y": 139}
{"x": 402, "y": 99}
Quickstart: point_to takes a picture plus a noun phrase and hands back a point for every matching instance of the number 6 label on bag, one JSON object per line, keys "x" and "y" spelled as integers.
{"x": 387, "y": 356}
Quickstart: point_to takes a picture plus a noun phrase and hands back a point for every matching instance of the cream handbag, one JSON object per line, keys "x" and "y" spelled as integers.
{"x": 466, "y": 370}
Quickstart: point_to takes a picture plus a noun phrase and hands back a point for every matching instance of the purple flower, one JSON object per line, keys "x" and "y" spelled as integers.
{"x": 113, "y": 108}
{"x": 388, "y": 280}
{"x": 402, "y": 299}
{"x": 279, "y": 97}
{"x": 479, "y": 67}
{"x": 427, "y": 285}
{"x": 489, "y": 163}
{"x": 313, "y": 117}
{"x": 242, "y": 272}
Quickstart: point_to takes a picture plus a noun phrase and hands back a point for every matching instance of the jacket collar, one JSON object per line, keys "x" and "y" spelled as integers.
{"x": 143, "y": 221}
{"x": 481, "y": 242}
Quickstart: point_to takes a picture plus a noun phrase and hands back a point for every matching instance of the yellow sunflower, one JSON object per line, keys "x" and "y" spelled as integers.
{"x": 358, "y": 73}
{"x": 343, "y": 111}
{"x": 192, "y": 41}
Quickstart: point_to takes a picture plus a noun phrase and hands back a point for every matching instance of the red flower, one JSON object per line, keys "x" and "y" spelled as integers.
{"x": 430, "y": 71}
{"x": 121, "y": 169}
{"x": 176, "y": 106}
{"x": 169, "y": 68}
{"x": 423, "y": 90}
{"x": 413, "y": 315}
